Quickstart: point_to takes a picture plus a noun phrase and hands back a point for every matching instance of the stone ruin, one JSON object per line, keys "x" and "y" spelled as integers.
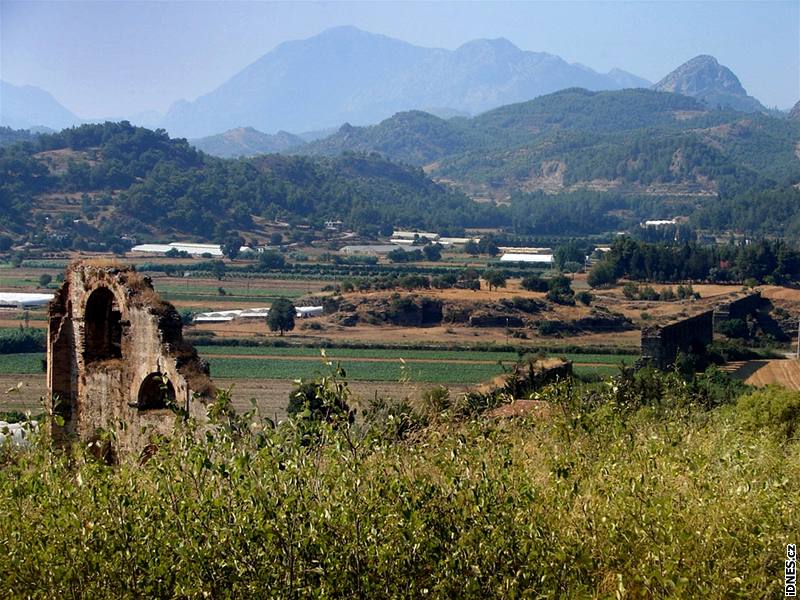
{"x": 117, "y": 360}
{"x": 662, "y": 343}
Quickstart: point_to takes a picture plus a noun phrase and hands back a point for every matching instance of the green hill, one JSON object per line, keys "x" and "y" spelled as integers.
{"x": 638, "y": 140}
{"x": 96, "y": 183}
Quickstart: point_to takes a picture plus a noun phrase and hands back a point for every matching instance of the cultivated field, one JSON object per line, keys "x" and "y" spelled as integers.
{"x": 267, "y": 373}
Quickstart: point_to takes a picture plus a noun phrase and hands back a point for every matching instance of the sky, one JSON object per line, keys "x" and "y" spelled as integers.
{"x": 107, "y": 59}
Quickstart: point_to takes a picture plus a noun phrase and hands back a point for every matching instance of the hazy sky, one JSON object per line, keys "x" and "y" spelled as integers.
{"x": 117, "y": 58}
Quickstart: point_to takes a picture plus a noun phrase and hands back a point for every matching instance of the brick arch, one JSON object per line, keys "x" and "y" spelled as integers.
{"x": 155, "y": 391}
{"x": 102, "y": 324}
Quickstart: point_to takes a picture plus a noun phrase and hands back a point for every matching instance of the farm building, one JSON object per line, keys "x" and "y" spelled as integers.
{"x": 412, "y": 235}
{"x": 368, "y": 249}
{"x": 225, "y": 316}
{"x": 527, "y": 258}
{"x": 189, "y": 248}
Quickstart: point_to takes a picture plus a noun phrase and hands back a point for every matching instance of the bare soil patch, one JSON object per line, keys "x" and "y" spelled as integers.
{"x": 26, "y": 397}
{"x": 785, "y": 372}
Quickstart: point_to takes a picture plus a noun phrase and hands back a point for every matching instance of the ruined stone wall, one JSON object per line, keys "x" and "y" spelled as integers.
{"x": 662, "y": 343}
{"x": 739, "y": 308}
{"x": 116, "y": 359}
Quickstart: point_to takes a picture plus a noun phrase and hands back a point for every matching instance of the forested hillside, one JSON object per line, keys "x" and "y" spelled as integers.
{"x": 632, "y": 140}
{"x": 103, "y": 186}
{"x": 123, "y": 180}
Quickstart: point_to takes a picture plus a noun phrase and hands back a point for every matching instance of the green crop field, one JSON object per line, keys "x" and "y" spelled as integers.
{"x": 21, "y": 364}
{"x": 433, "y": 372}
{"x": 263, "y": 299}
{"x": 355, "y": 370}
{"x": 442, "y": 355}
{"x": 237, "y": 290}
{"x": 437, "y": 371}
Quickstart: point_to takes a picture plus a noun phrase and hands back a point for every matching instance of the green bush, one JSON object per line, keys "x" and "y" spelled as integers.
{"x": 22, "y": 341}
{"x": 774, "y": 408}
{"x": 624, "y": 490}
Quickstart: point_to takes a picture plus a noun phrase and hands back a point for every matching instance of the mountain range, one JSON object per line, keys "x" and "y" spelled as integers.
{"x": 348, "y": 75}
{"x": 345, "y": 75}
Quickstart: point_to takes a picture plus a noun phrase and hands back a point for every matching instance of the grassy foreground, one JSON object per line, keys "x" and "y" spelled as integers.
{"x": 642, "y": 488}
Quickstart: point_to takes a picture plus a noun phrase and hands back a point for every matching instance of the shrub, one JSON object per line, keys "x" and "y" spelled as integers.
{"x": 773, "y": 408}
{"x": 601, "y": 274}
{"x": 733, "y": 328}
{"x": 23, "y": 340}
{"x": 584, "y": 297}
{"x": 476, "y": 508}
{"x": 534, "y": 283}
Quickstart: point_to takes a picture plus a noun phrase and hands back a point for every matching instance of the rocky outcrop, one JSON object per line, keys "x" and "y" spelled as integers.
{"x": 494, "y": 319}
{"x": 596, "y": 321}
{"x": 705, "y": 79}
{"x": 405, "y": 311}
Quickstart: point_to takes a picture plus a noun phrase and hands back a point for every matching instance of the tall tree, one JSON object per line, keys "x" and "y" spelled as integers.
{"x": 494, "y": 278}
{"x": 232, "y": 244}
{"x": 281, "y": 315}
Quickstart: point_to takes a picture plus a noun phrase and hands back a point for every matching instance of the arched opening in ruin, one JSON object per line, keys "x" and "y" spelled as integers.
{"x": 156, "y": 391}
{"x": 102, "y": 327}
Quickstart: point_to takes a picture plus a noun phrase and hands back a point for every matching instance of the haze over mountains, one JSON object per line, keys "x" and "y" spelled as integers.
{"x": 345, "y": 75}
{"x": 348, "y": 75}
{"x": 24, "y": 107}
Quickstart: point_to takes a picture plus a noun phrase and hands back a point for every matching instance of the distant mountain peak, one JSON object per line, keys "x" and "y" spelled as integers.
{"x": 499, "y": 45}
{"x": 247, "y": 141}
{"x": 703, "y": 77}
{"x": 26, "y": 106}
{"x": 794, "y": 114}
{"x": 347, "y": 74}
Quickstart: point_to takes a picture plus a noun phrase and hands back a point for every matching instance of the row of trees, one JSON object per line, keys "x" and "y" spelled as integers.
{"x": 764, "y": 261}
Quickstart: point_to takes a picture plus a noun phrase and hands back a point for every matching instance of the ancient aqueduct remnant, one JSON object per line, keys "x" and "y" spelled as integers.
{"x": 116, "y": 358}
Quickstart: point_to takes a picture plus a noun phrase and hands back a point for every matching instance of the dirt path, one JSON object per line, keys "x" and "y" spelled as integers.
{"x": 25, "y": 397}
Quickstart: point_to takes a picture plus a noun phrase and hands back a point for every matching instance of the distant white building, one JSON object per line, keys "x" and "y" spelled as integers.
{"x": 407, "y": 238}
{"x": 226, "y": 316}
{"x": 368, "y": 249}
{"x": 309, "y": 311}
{"x": 188, "y": 247}
{"x": 457, "y": 241}
{"x": 523, "y": 250}
{"x": 661, "y": 222}
{"x": 410, "y": 235}
{"x": 527, "y": 258}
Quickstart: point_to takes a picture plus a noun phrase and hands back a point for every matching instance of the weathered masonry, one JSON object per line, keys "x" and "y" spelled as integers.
{"x": 739, "y": 308}
{"x": 662, "y": 343}
{"x": 117, "y": 360}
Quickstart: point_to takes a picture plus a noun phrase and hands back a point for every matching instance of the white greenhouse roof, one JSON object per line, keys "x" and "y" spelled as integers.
{"x": 188, "y": 247}
{"x": 224, "y": 316}
{"x": 523, "y": 257}
{"x": 21, "y": 300}
{"x": 309, "y": 311}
